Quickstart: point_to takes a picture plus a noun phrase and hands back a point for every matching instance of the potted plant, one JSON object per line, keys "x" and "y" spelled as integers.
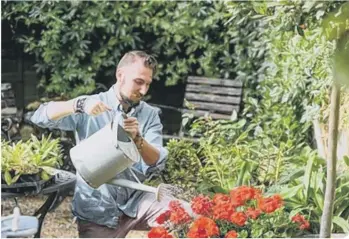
{"x": 33, "y": 160}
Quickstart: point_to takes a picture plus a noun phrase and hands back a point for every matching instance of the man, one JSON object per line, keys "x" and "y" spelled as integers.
{"x": 111, "y": 211}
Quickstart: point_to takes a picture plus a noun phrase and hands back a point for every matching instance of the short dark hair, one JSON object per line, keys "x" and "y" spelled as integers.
{"x": 130, "y": 57}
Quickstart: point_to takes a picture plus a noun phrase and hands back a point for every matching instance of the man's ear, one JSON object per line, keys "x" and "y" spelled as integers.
{"x": 119, "y": 75}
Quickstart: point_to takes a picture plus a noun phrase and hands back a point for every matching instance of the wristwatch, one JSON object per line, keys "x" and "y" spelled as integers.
{"x": 79, "y": 105}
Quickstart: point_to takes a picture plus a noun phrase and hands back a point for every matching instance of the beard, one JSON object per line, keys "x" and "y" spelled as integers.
{"x": 128, "y": 102}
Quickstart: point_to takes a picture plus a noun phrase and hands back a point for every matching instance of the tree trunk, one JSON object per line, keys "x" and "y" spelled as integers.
{"x": 326, "y": 219}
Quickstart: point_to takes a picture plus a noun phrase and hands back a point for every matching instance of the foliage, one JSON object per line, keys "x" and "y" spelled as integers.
{"x": 75, "y": 43}
{"x": 182, "y": 167}
{"x": 271, "y": 145}
{"x": 306, "y": 193}
{"x": 31, "y": 157}
{"x": 244, "y": 212}
{"x": 290, "y": 88}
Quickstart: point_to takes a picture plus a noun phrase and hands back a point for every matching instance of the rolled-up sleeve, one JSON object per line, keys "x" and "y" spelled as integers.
{"x": 68, "y": 123}
{"x": 154, "y": 137}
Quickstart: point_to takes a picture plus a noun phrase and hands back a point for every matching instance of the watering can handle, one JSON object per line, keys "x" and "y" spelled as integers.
{"x": 106, "y": 119}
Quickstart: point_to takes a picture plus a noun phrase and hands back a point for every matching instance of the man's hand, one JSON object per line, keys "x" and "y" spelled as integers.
{"x": 95, "y": 107}
{"x": 131, "y": 126}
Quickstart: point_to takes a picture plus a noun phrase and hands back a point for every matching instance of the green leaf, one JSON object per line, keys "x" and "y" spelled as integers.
{"x": 346, "y": 160}
{"x": 45, "y": 176}
{"x": 290, "y": 192}
{"x": 295, "y": 211}
{"x": 294, "y": 175}
{"x": 15, "y": 178}
{"x": 341, "y": 206}
{"x": 319, "y": 200}
{"x": 307, "y": 177}
{"x": 8, "y": 178}
{"x": 341, "y": 223}
{"x": 49, "y": 170}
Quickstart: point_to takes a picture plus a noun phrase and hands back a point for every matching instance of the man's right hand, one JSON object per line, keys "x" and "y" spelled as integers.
{"x": 95, "y": 107}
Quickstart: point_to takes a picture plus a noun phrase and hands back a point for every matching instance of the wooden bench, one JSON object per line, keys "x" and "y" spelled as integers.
{"x": 217, "y": 98}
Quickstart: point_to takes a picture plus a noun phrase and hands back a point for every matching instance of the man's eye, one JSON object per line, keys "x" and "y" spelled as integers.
{"x": 139, "y": 82}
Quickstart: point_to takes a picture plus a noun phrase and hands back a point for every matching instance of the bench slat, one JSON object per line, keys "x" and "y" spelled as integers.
{"x": 214, "y": 89}
{"x": 198, "y": 113}
{"x": 214, "y": 107}
{"x": 212, "y": 81}
{"x": 213, "y": 98}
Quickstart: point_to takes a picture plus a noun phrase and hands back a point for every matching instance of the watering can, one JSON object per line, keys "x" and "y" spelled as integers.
{"x": 106, "y": 153}
{"x": 17, "y": 225}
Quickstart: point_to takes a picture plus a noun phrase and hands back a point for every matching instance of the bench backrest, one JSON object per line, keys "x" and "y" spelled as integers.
{"x": 216, "y": 97}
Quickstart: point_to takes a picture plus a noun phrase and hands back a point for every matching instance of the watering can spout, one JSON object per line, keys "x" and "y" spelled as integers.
{"x": 162, "y": 191}
{"x": 133, "y": 185}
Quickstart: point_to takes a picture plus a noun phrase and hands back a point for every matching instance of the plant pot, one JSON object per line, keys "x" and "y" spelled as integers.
{"x": 26, "y": 183}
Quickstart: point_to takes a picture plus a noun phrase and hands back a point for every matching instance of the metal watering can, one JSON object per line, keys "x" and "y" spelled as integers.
{"x": 108, "y": 152}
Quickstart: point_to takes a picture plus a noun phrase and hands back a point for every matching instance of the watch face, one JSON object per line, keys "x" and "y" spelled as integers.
{"x": 80, "y": 104}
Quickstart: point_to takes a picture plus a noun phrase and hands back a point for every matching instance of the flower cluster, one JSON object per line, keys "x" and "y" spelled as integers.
{"x": 244, "y": 212}
{"x": 302, "y": 222}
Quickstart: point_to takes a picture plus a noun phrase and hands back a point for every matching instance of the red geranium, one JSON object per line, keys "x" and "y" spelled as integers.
{"x": 242, "y": 194}
{"x": 201, "y": 205}
{"x": 270, "y": 204}
{"x": 231, "y": 234}
{"x": 221, "y": 198}
{"x": 230, "y": 211}
{"x": 159, "y": 232}
{"x": 203, "y": 227}
{"x": 305, "y": 225}
{"x": 300, "y": 219}
{"x": 253, "y": 213}
{"x": 174, "y": 205}
{"x": 223, "y": 211}
{"x": 179, "y": 216}
{"x": 163, "y": 217}
{"x": 238, "y": 218}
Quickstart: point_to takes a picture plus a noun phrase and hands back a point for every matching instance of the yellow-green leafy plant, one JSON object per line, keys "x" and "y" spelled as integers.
{"x": 32, "y": 157}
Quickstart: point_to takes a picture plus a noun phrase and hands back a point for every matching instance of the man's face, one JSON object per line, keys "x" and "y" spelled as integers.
{"x": 135, "y": 80}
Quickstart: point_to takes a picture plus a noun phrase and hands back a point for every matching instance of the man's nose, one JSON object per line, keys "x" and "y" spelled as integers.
{"x": 144, "y": 90}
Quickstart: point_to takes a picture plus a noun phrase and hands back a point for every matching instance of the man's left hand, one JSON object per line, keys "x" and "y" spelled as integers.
{"x": 132, "y": 127}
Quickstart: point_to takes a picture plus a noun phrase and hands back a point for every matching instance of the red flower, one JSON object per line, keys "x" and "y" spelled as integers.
{"x": 220, "y": 198}
{"x": 201, "y": 205}
{"x": 223, "y": 211}
{"x": 203, "y": 227}
{"x": 163, "y": 217}
{"x": 270, "y": 204}
{"x": 298, "y": 218}
{"x": 238, "y": 218}
{"x": 303, "y": 223}
{"x": 242, "y": 194}
{"x": 179, "y": 216}
{"x": 253, "y": 213}
{"x": 231, "y": 234}
{"x": 174, "y": 205}
{"x": 159, "y": 232}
